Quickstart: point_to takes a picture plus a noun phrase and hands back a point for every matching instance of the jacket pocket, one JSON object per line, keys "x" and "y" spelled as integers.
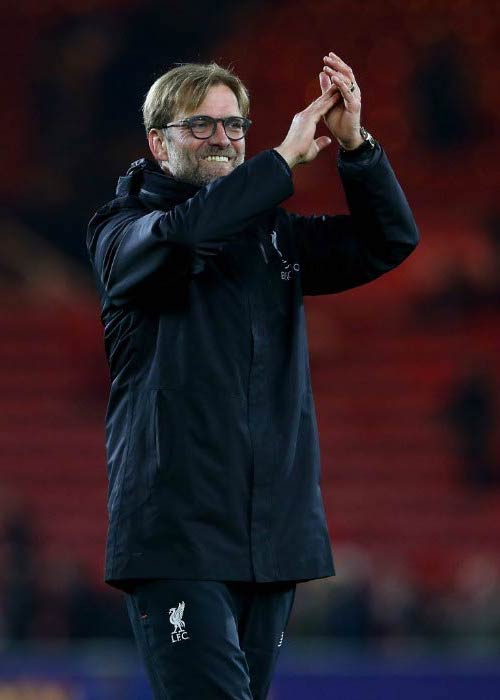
{"x": 166, "y": 435}
{"x": 153, "y": 439}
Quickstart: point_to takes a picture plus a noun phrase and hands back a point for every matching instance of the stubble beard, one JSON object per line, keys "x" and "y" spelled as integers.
{"x": 191, "y": 167}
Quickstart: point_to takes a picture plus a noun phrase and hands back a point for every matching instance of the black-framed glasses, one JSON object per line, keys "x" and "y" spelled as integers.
{"x": 203, "y": 127}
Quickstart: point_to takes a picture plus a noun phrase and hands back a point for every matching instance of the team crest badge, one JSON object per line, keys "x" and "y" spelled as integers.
{"x": 175, "y": 617}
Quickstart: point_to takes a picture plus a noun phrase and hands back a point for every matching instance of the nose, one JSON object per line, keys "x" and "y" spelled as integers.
{"x": 219, "y": 138}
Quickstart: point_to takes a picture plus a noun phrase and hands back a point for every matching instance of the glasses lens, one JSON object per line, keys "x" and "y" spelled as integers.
{"x": 235, "y": 127}
{"x": 202, "y": 126}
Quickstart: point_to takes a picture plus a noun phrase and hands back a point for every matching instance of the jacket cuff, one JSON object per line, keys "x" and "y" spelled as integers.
{"x": 363, "y": 153}
{"x": 282, "y": 160}
{"x": 359, "y": 159}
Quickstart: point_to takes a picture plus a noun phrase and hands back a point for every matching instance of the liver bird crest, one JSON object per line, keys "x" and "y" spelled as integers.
{"x": 176, "y": 617}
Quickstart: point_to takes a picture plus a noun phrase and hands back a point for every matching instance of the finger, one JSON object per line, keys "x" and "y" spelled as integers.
{"x": 319, "y": 103}
{"x": 322, "y": 142}
{"x": 349, "y": 76}
{"x": 327, "y": 96}
{"x": 343, "y": 87}
{"x": 324, "y": 104}
{"x": 331, "y": 63}
{"x": 324, "y": 82}
{"x": 340, "y": 64}
{"x": 336, "y": 99}
{"x": 351, "y": 97}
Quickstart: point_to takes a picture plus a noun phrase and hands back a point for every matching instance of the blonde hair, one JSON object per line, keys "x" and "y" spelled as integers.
{"x": 185, "y": 87}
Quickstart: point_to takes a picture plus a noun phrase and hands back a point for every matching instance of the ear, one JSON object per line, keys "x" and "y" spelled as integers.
{"x": 158, "y": 144}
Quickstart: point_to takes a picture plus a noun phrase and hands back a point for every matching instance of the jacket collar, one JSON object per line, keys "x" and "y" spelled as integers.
{"x": 145, "y": 179}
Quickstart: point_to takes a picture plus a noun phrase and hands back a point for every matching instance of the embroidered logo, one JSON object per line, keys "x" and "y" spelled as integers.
{"x": 287, "y": 268}
{"x": 281, "y": 639}
{"x": 274, "y": 239}
{"x": 175, "y": 618}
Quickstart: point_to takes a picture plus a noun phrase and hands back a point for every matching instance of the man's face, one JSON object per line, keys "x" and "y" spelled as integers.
{"x": 189, "y": 157}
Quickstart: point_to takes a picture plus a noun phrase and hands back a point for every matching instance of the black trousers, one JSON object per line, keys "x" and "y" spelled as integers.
{"x": 209, "y": 640}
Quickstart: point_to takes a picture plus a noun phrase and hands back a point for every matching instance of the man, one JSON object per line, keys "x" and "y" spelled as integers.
{"x": 215, "y": 509}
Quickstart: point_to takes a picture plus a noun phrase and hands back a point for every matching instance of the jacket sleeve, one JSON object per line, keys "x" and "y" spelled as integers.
{"x": 128, "y": 247}
{"x": 344, "y": 251}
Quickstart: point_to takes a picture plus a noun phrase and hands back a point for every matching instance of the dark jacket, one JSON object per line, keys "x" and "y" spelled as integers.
{"x": 211, "y": 436}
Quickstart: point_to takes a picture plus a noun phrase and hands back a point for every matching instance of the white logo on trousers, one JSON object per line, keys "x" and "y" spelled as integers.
{"x": 175, "y": 618}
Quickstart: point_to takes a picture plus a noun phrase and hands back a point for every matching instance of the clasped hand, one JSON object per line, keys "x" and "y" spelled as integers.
{"x": 340, "y": 107}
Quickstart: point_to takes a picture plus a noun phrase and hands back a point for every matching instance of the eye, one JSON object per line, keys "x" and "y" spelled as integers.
{"x": 200, "y": 123}
{"x": 235, "y": 123}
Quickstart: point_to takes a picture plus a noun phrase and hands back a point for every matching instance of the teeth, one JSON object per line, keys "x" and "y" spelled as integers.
{"x": 221, "y": 159}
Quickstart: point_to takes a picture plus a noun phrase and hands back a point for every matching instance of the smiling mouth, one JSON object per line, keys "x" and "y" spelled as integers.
{"x": 217, "y": 159}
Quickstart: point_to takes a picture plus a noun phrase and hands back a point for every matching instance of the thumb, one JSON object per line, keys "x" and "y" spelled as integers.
{"x": 322, "y": 142}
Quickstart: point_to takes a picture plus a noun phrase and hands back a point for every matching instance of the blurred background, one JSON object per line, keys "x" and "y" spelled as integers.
{"x": 406, "y": 370}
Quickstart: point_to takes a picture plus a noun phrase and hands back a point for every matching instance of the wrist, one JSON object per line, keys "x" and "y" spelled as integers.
{"x": 352, "y": 144}
{"x": 364, "y": 141}
{"x": 287, "y": 156}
